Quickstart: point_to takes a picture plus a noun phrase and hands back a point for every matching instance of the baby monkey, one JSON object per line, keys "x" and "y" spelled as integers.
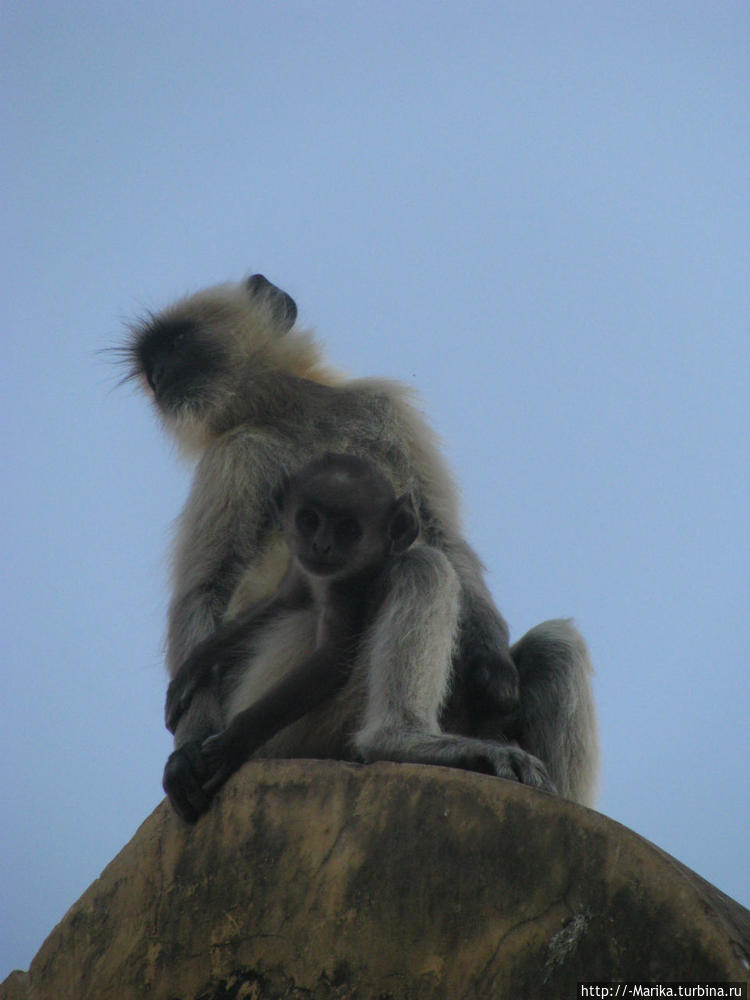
{"x": 342, "y": 522}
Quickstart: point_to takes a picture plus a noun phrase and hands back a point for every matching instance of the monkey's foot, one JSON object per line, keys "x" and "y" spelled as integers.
{"x": 514, "y": 764}
{"x": 502, "y": 760}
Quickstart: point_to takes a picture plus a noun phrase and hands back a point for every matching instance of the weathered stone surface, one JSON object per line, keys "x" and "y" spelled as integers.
{"x": 318, "y": 879}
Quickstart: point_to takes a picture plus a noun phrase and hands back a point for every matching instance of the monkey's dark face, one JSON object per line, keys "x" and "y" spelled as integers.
{"x": 328, "y": 542}
{"x": 341, "y": 518}
{"x": 335, "y": 516}
{"x": 203, "y": 359}
{"x": 177, "y": 362}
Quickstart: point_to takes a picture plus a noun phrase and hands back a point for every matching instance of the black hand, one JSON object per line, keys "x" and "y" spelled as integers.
{"x": 184, "y": 775}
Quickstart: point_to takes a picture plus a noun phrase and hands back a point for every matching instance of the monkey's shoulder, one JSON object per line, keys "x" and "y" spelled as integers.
{"x": 385, "y": 394}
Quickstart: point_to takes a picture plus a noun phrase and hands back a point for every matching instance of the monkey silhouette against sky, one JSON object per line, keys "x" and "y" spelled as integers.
{"x": 245, "y": 395}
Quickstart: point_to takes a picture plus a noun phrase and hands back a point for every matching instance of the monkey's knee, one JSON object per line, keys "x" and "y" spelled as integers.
{"x": 425, "y": 572}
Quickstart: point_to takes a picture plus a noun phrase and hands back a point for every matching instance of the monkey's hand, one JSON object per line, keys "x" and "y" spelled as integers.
{"x": 196, "y": 771}
{"x": 222, "y": 754}
{"x": 485, "y": 665}
{"x": 201, "y": 667}
{"x": 185, "y": 773}
{"x": 179, "y": 695}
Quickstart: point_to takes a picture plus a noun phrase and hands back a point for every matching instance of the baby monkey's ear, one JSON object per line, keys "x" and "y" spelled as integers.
{"x": 403, "y": 526}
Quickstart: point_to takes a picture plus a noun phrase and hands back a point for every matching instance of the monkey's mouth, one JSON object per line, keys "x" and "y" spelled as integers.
{"x": 321, "y": 567}
{"x": 175, "y": 394}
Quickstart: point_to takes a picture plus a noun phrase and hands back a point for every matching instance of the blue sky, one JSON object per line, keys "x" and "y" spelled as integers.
{"x": 537, "y": 214}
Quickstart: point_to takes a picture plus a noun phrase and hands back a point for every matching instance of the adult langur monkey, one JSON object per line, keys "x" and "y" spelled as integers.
{"x": 246, "y": 395}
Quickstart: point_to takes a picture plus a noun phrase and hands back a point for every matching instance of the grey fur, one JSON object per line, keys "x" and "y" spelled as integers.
{"x": 270, "y": 402}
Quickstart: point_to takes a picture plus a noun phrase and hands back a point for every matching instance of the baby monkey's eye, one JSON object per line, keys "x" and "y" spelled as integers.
{"x": 348, "y": 529}
{"x": 306, "y": 521}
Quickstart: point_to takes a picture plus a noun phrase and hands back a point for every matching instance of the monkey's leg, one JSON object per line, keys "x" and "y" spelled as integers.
{"x": 314, "y": 681}
{"x": 206, "y": 662}
{"x": 407, "y": 662}
{"x": 186, "y": 770}
{"x": 557, "y": 719}
{"x": 214, "y": 657}
{"x": 278, "y": 645}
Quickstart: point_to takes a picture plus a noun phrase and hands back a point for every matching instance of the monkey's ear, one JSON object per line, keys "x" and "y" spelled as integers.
{"x": 404, "y": 524}
{"x": 283, "y": 308}
{"x": 279, "y": 495}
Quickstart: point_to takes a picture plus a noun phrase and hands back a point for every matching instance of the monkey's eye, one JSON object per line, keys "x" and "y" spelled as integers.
{"x": 306, "y": 521}
{"x": 348, "y": 529}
